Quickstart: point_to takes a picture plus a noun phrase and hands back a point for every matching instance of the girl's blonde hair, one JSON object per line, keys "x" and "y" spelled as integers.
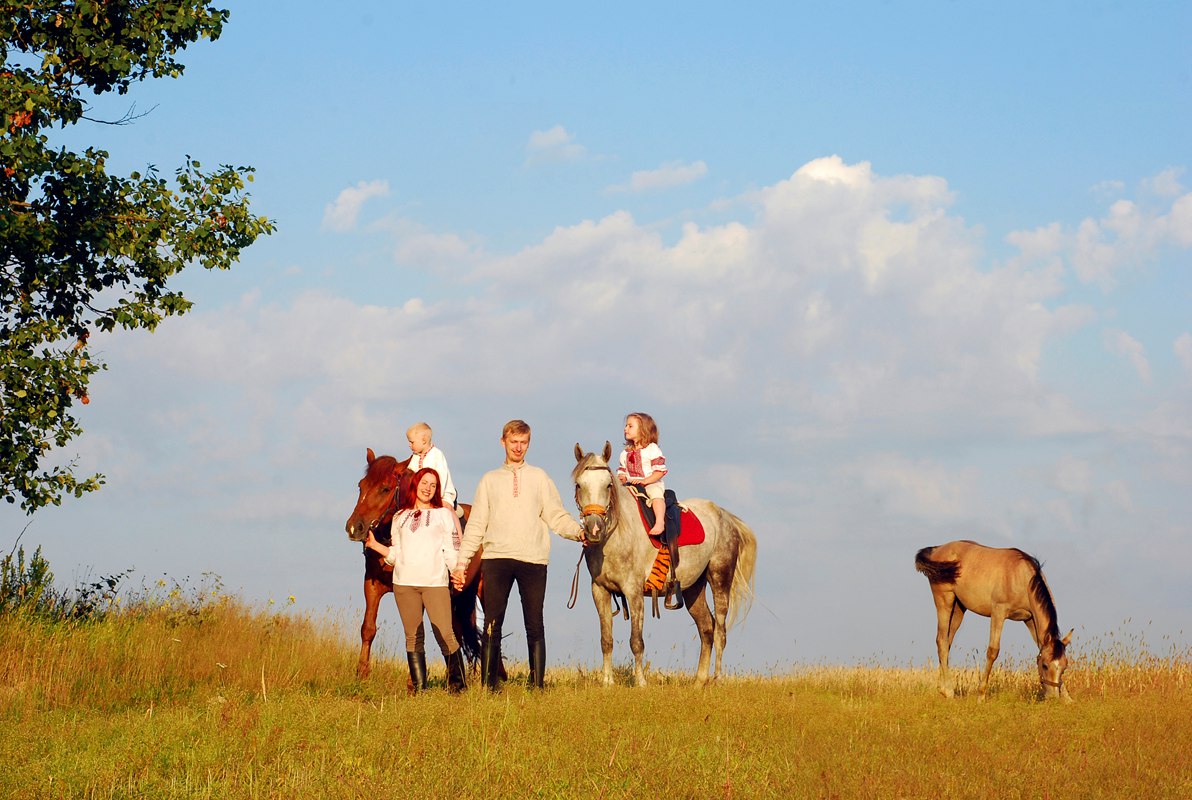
{"x": 646, "y": 428}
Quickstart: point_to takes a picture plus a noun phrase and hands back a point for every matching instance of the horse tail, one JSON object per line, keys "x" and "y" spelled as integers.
{"x": 463, "y": 620}
{"x": 741, "y": 593}
{"x": 936, "y": 571}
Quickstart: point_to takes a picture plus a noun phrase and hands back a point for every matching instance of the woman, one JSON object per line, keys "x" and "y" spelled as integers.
{"x": 422, "y": 556}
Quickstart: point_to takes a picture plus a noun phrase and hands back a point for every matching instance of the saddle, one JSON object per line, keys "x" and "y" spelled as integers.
{"x": 680, "y": 527}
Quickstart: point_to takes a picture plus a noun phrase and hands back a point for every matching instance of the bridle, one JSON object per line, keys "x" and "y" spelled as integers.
{"x": 588, "y": 510}
{"x": 391, "y": 509}
{"x": 592, "y": 509}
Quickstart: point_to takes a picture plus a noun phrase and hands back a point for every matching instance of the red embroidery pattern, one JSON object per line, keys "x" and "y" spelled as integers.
{"x": 414, "y": 520}
{"x": 634, "y": 462}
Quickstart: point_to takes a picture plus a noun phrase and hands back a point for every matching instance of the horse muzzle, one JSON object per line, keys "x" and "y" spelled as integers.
{"x": 593, "y": 529}
{"x": 594, "y": 518}
{"x": 357, "y": 530}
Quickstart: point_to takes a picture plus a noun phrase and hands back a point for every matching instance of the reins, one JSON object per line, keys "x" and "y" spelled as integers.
{"x": 575, "y": 583}
{"x": 592, "y": 510}
{"x": 391, "y": 509}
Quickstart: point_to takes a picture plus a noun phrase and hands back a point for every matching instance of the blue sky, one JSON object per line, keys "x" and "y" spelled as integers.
{"x": 886, "y": 274}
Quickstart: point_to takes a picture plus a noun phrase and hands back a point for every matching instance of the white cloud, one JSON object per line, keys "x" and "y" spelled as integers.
{"x": 1166, "y": 183}
{"x": 847, "y": 302}
{"x": 342, "y": 214}
{"x": 1182, "y": 347}
{"x": 553, "y": 145}
{"x": 668, "y": 176}
{"x": 920, "y": 488}
{"x": 1123, "y": 344}
{"x": 1179, "y": 222}
{"x": 1073, "y": 476}
{"x": 1129, "y": 235}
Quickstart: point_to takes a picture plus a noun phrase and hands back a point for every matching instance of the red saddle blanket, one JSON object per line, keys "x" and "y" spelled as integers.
{"x": 691, "y": 530}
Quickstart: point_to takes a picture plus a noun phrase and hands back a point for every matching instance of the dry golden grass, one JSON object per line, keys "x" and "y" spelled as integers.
{"x": 208, "y": 698}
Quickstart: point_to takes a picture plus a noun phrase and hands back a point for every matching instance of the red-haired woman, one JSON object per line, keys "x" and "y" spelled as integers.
{"x": 423, "y": 556}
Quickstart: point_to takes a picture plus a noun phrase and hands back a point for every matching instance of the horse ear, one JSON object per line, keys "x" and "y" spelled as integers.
{"x": 579, "y": 453}
{"x": 608, "y": 450}
{"x": 1068, "y": 638}
{"x": 371, "y": 456}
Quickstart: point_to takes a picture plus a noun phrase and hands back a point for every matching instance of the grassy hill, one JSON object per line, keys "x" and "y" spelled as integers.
{"x": 194, "y": 694}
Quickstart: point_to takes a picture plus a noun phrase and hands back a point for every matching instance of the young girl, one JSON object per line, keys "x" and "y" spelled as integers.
{"x": 422, "y": 557}
{"x": 643, "y": 464}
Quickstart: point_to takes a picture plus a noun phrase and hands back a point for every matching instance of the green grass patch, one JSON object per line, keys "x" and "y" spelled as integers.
{"x": 192, "y": 698}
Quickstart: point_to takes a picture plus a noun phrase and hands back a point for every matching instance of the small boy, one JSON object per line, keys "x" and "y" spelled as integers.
{"x": 427, "y": 455}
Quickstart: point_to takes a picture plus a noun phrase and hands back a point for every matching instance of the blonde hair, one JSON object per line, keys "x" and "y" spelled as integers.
{"x": 515, "y": 426}
{"x": 420, "y": 427}
{"x": 646, "y": 428}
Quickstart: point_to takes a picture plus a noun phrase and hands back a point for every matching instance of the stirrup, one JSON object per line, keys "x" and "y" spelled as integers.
{"x": 674, "y": 595}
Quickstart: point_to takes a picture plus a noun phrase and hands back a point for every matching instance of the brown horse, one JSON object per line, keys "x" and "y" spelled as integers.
{"x": 1002, "y": 584}
{"x": 382, "y": 485}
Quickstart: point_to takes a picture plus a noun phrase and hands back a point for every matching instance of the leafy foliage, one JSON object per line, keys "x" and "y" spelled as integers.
{"x": 82, "y": 250}
{"x": 27, "y": 587}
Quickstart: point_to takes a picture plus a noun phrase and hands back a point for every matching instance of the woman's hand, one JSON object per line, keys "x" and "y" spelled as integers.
{"x": 371, "y": 543}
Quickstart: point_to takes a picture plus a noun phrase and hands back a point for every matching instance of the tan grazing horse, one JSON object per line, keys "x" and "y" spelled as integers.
{"x": 1002, "y": 584}
{"x": 380, "y": 489}
{"x": 620, "y": 556}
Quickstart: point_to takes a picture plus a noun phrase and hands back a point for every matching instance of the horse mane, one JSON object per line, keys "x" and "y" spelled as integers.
{"x": 1042, "y": 594}
{"x": 380, "y": 466}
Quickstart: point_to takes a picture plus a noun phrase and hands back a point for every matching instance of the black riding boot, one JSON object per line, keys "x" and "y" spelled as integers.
{"x": 674, "y": 592}
{"x": 537, "y": 663}
{"x": 417, "y": 662}
{"x": 456, "y": 680}
{"x": 490, "y": 660}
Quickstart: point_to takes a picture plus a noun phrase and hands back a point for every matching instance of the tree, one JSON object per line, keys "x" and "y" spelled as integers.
{"x": 82, "y": 250}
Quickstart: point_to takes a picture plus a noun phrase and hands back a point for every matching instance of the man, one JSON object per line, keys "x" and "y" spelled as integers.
{"x": 513, "y": 511}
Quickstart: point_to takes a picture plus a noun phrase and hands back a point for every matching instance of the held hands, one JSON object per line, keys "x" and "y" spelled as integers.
{"x": 457, "y": 578}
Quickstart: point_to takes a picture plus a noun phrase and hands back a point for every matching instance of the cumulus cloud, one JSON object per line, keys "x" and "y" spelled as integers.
{"x": 1129, "y": 235}
{"x": 1166, "y": 183}
{"x": 1182, "y": 347}
{"x": 342, "y": 214}
{"x": 846, "y": 299}
{"x": 553, "y": 145}
{"x": 1123, "y": 344}
{"x": 920, "y": 488}
{"x": 668, "y": 176}
{"x": 841, "y": 305}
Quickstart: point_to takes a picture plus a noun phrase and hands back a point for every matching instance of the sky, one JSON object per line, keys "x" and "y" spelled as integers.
{"x": 886, "y": 274}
